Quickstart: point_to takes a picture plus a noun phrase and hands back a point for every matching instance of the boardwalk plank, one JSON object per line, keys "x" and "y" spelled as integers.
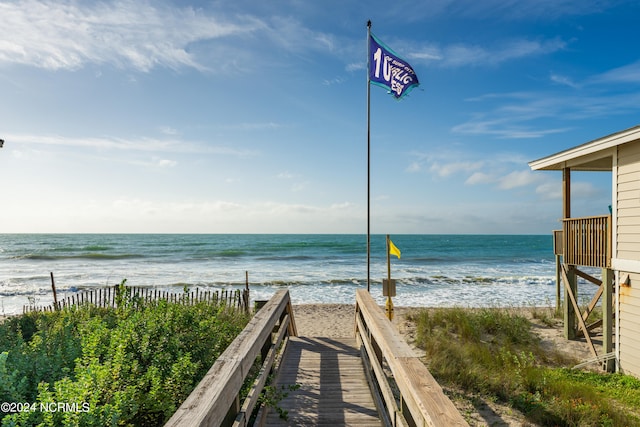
{"x": 333, "y": 387}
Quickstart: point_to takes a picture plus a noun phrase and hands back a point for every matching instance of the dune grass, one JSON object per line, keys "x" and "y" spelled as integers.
{"x": 494, "y": 353}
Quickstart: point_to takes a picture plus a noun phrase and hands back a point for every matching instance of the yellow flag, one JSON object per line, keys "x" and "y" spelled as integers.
{"x": 393, "y": 250}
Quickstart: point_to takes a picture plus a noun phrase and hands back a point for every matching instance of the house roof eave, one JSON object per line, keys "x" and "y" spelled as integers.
{"x": 592, "y": 156}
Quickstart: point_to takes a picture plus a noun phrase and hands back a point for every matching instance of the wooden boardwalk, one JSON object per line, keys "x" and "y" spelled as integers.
{"x": 333, "y": 386}
{"x": 330, "y": 372}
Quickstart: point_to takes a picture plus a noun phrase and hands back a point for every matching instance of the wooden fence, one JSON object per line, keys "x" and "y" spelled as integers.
{"x": 112, "y": 296}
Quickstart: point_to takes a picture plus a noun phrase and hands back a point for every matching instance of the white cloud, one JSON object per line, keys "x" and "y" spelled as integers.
{"x": 356, "y": 66}
{"x": 479, "y": 178}
{"x": 518, "y": 179}
{"x": 517, "y": 115}
{"x": 125, "y": 33}
{"x": 584, "y": 190}
{"x": 155, "y": 162}
{"x": 296, "y": 187}
{"x": 504, "y": 127}
{"x": 580, "y": 190}
{"x": 563, "y": 80}
{"x": 447, "y": 169}
{"x": 514, "y": 10}
{"x": 464, "y": 55}
{"x": 168, "y": 130}
{"x": 133, "y": 144}
{"x": 334, "y": 81}
{"x": 253, "y": 126}
{"x": 164, "y": 163}
{"x": 299, "y": 186}
{"x": 426, "y": 55}
{"x": 291, "y": 35}
{"x": 550, "y": 190}
{"x": 414, "y": 167}
{"x": 627, "y": 74}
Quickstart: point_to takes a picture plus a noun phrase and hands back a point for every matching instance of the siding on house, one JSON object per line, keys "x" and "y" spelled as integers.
{"x": 628, "y": 202}
{"x": 619, "y": 153}
{"x": 629, "y": 318}
{"x": 628, "y": 248}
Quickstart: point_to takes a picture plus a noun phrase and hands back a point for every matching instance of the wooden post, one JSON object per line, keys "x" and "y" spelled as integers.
{"x": 607, "y": 317}
{"x": 389, "y": 304}
{"x": 55, "y": 296}
{"x": 569, "y": 313}
{"x": 246, "y": 292}
{"x": 566, "y": 193}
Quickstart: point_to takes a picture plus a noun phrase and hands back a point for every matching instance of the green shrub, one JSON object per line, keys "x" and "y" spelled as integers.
{"x": 133, "y": 365}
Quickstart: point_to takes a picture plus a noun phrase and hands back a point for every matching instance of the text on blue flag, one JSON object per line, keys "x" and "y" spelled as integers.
{"x": 386, "y": 69}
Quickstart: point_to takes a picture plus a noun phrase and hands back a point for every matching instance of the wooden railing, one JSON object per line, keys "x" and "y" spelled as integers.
{"x": 405, "y": 392}
{"x": 216, "y": 399}
{"x": 587, "y": 241}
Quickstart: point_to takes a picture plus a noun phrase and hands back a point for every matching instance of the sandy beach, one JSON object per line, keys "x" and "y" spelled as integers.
{"x": 338, "y": 320}
{"x": 324, "y": 320}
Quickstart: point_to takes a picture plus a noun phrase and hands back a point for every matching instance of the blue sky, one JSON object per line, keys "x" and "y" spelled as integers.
{"x": 250, "y": 117}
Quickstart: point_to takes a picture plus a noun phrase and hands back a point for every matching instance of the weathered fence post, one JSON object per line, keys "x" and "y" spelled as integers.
{"x": 55, "y": 297}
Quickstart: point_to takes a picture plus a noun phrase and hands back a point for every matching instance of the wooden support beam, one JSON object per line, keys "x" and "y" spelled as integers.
{"x": 568, "y": 276}
{"x": 595, "y": 298}
{"x": 588, "y": 277}
{"x": 566, "y": 193}
{"x": 596, "y": 324}
{"x": 577, "y": 311}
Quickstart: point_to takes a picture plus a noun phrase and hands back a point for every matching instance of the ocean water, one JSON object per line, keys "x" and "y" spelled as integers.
{"x": 434, "y": 270}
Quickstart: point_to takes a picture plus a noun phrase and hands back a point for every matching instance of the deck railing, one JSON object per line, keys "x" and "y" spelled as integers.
{"x": 216, "y": 399}
{"x": 585, "y": 241}
{"x": 405, "y": 391}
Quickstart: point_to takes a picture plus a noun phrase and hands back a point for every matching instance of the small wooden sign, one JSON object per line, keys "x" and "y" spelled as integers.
{"x": 389, "y": 287}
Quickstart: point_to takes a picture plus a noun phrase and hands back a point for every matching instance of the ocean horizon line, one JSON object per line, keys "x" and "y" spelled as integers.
{"x": 97, "y": 233}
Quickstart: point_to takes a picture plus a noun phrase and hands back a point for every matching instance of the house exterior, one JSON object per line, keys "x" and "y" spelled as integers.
{"x": 610, "y": 242}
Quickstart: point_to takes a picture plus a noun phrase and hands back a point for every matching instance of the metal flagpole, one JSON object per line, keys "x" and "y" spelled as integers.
{"x": 388, "y": 259}
{"x": 368, "y": 161}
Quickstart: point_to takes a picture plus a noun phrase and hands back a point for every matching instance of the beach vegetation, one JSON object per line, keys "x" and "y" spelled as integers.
{"x": 494, "y": 354}
{"x": 272, "y": 395}
{"x": 130, "y": 365}
{"x": 548, "y": 316}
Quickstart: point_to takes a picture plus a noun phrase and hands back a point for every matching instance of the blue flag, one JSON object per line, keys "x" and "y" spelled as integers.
{"x": 388, "y": 70}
